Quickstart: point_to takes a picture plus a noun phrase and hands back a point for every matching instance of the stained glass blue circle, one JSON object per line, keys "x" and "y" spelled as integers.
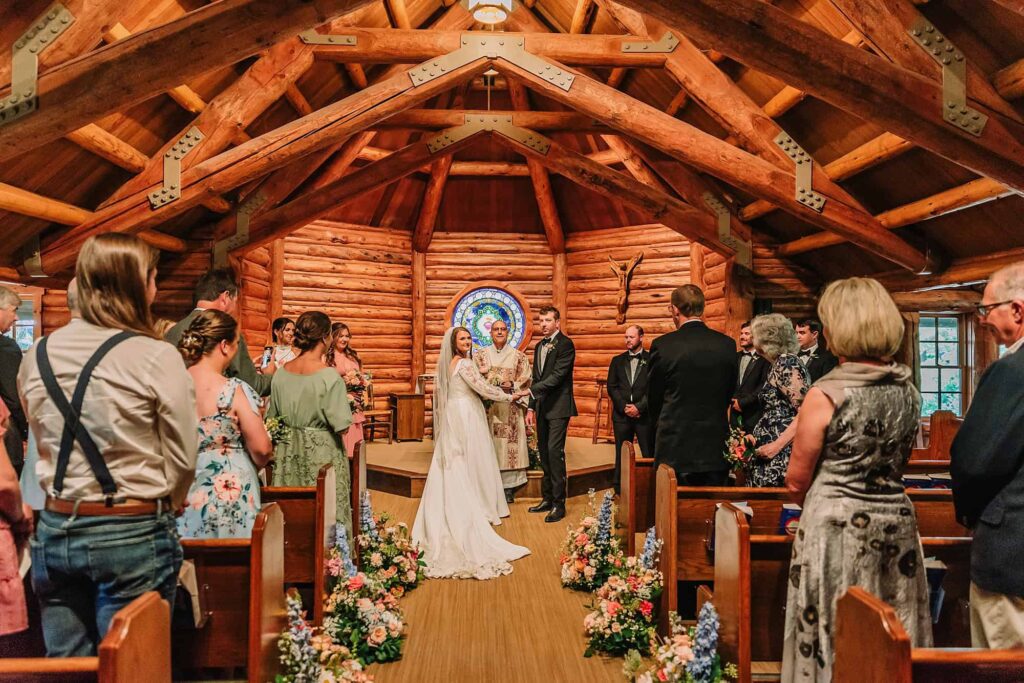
{"x": 480, "y": 308}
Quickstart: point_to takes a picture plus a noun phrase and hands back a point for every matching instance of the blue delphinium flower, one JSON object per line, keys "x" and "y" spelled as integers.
{"x": 705, "y": 645}
{"x": 604, "y": 521}
{"x": 366, "y": 523}
{"x": 344, "y": 549}
{"x": 647, "y": 556}
{"x": 297, "y": 648}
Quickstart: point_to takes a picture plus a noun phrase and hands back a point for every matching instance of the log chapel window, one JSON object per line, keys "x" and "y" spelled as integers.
{"x": 942, "y": 358}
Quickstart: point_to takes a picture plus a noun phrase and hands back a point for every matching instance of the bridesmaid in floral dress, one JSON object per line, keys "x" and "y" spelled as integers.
{"x": 345, "y": 360}
{"x": 233, "y": 443}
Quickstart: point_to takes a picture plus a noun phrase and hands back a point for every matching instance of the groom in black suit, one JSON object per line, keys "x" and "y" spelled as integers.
{"x": 693, "y": 376}
{"x": 551, "y": 406}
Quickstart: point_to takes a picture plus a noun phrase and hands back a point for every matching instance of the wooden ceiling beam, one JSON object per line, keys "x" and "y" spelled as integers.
{"x": 582, "y": 15}
{"x": 108, "y": 146}
{"x": 720, "y": 159}
{"x": 298, "y": 101}
{"x": 259, "y": 156}
{"x": 900, "y": 100}
{"x": 1009, "y": 81}
{"x": 962, "y": 271}
{"x": 430, "y": 204}
{"x": 789, "y": 97}
{"x": 942, "y": 203}
{"x": 388, "y": 46}
{"x": 938, "y": 300}
{"x": 398, "y": 14}
{"x": 546, "y": 121}
{"x": 134, "y": 69}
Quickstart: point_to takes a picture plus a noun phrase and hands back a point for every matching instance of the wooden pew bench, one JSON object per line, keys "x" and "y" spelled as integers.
{"x": 751, "y": 581}
{"x": 872, "y": 645}
{"x": 136, "y": 648}
{"x": 934, "y": 458}
{"x": 242, "y": 582}
{"x": 636, "y": 500}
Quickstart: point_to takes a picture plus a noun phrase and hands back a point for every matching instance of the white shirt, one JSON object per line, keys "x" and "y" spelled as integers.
{"x": 545, "y": 348}
{"x": 1015, "y": 347}
{"x": 139, "y": 408}
{"x": 634, "y": 360}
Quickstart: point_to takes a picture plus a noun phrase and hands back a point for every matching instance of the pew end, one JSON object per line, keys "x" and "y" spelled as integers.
{"x": 704, "y": 595}
{"x": 665, "y": 528}
{"x": 636, "y": 502}
{"x": 732, "y": 582}
{"x": 137, "y": 647}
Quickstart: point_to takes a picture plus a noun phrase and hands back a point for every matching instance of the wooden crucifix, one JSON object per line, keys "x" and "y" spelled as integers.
{"x": 624, "y": 272}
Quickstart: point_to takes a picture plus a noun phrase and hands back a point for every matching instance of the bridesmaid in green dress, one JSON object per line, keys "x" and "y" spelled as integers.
{"x": 313, "y": 400}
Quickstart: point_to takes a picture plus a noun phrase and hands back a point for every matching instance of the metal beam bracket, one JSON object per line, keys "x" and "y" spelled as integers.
{"x": 243, "y": 215}
{"x": 311, "y": 37}
{"x": 477, "y": 45}
{"x": 34, "y": 259}
{"x": 489, "y": 123}
{"x": 24, "y": 97}
{"x": 742, "y": 248}
{"x": 804, "y": 172}
{"x": 666, "y": 44}
{"x": 954, "y": 77}
{"x": 172, "y": 168}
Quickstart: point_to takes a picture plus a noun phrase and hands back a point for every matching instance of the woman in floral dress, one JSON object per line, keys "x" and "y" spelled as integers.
{"x": 343, "y": 358}
{"x": 233, "y": 443}
{"x": 781, "y": 396}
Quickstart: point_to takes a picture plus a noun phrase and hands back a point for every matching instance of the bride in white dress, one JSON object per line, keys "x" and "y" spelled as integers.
{"x": 463, "y": 495}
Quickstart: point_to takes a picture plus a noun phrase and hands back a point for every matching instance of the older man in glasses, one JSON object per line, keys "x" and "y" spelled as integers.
{"x": 988, "y": 472}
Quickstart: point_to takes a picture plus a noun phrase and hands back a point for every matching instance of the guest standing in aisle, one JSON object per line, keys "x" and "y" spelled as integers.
{"x": 627, "y": 389}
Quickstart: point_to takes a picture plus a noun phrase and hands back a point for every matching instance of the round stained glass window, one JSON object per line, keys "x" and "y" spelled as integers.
{"x": 478, "y": 309}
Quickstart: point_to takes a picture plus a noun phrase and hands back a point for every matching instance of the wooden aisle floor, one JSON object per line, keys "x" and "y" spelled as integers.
{"x": 521, "y": 628}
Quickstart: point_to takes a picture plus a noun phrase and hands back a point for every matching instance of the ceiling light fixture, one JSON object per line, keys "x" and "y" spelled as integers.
{"x": 490, "y": 12}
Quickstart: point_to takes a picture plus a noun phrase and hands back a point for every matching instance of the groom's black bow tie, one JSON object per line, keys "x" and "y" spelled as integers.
{"x": 547, "y": 341}
{"x": 804, "y": 354}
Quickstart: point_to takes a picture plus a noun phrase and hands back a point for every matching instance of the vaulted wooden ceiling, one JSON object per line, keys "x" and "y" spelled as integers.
{"x": 638, "y": 136}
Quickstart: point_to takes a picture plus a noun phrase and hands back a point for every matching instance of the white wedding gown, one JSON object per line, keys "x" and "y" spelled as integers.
{"x": 463, "y": 495}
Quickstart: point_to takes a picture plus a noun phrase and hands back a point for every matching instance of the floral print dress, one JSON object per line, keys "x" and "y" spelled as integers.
{"x": 225, "y": 497}
{"x": 781, "y": 396}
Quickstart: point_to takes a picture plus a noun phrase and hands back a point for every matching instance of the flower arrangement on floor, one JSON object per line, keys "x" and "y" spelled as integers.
{"x": 591, "y": 553}
{"x": 387, "y": 552}
{"x": 360, "y": 614}
{"x": 689, "y": 655}
{"x": 307, "y": 657}
{"x": 624, "y": 618}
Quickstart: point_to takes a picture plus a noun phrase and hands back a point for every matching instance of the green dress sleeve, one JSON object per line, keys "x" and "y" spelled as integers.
{"x": 337, "y": 412}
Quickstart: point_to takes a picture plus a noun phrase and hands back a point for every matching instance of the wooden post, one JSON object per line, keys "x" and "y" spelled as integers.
{"x": 419, "y": 316}
{"x": 560, "y": 286}
{"x": 697, "y": 265}
{"x": 739, "y": 297}
{"x": 276, "y": 305}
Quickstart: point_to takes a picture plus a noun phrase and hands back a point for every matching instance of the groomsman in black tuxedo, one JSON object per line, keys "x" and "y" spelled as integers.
{"x": 746, "y": 404}
{"x": 813, "y": 352}
{"x": 692, "y": 380}
{"x": 551, "y": 406}
{"x": 627, "y": 388}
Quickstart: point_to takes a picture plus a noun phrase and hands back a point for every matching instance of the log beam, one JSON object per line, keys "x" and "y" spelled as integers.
{"x": 418, "y": 360}
{"x": 1009, "y": 81}
{"x": 789, "y": 97}
{"x": 108, "y": 146}
{"x": 963, "y": 271}
{"x": 904, "y": 102}
{"x": 545, "y": 121}
{"x": 134, "y": 69}
{"x": 430, "y": 206}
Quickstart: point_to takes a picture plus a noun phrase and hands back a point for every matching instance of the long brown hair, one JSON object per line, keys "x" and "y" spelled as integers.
{"x": 455, "y": 347}
{"x": 112, "y": 273}
{"x": 349, "y": 352}
{"x": 207, "y": 330}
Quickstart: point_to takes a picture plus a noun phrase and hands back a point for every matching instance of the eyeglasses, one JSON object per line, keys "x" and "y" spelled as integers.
{"x": 985, "y": 309}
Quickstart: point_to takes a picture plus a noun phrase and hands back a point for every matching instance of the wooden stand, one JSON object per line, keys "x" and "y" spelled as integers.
{"x": 602, "y": 400}
{"x": 409, "y": 410}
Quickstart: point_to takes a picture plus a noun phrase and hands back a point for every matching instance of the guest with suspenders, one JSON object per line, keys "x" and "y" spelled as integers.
{"x": 113, "y": 411}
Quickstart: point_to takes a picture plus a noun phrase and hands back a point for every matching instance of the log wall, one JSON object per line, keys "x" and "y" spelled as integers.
{"x": 254, "y": 307}
{"x": 360, "y": 276}
{"x": 792, "y": 290}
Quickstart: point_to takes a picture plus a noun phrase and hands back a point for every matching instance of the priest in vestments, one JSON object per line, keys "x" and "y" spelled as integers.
{"x": 506, "y": 366}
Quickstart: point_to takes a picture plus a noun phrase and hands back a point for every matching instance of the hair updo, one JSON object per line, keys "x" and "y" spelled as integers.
{"x": 209, "y": 329}
{"x": 311, "y": 328}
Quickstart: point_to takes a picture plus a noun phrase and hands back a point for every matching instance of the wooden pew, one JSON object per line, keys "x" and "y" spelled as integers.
{"x": 751, "y": 583}
{"x": 243, "y": 585}
{"x": 636, "y": 502}
{"x": 934, "y": 458}
{"x": 136, "y": 648}
{"x": 872, "y": 645}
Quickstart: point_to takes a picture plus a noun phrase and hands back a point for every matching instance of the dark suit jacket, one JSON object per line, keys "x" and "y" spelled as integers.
{"x": 692, "y": 377}
{"x": 988, "y": 477}
{"x": 622, "y": 393}
{"x": 821, "y": 363}
{"x": 17, "y": 428}
{"x": 552, "y": 388}
{"x": 749, "y": 392}
{"x": 241, "y": 367}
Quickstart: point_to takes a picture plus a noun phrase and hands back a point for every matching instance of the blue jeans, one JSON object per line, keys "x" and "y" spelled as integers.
{"x": 85, "y": 569}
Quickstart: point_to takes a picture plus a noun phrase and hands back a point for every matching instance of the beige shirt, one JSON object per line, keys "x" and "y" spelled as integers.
{"x": 139, "y": 409}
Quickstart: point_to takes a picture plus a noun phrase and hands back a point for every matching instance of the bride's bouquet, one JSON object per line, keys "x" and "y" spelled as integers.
{"x": 387, "y": 552}
{"x": 591, "y": 553}
{"x": 309, "y": 657}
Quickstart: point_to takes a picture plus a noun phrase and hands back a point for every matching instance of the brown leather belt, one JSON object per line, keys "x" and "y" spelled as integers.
{"x": 126, "y": 507}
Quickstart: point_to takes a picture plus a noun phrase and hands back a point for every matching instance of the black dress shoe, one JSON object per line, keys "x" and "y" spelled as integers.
{"x": 557, "y": 514}
{"x": 510, "y": 496}
{"x": 542, "y": 506}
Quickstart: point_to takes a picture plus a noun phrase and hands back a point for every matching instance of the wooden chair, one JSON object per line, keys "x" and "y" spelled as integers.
{"x": 872, "y": 645}
{"x": 603, "y": 406}
{"x": 243, "y": 585}
{"x": 377, "y": 418}
{"x": 636, "y": 503}
{"x": 136, "y": 648}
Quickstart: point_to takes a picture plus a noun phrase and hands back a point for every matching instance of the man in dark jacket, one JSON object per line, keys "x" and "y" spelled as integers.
{"x": 987, "y": 467}
{"x": 10, "y": 363}
{"x": 627, "y": 389}
{"x": 753, "y": 373}
{"x": 814, "y": 352}
{"x": 692, "y": 379}
{"x": 551, "y": 406}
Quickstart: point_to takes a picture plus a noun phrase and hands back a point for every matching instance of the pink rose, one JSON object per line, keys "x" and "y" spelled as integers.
{"x": 612, "y": 608}
{"x": 356, "y": 582}
{"x": 227, "y": 487}
{"x": 377, "y": 636}
{"x": 646, "y": 608}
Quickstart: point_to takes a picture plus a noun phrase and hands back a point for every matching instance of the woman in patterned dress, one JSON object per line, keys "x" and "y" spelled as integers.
{"x": 858, "y": 528}
{"x": 233, "y": 443}
{"x": 781, "y": 396}
{"x": 343, "y": 358}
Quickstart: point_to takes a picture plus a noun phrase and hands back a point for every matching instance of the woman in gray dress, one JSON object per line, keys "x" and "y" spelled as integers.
{"x": 854, "y": 435}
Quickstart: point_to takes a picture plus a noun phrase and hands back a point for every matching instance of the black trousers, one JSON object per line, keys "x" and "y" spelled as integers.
{"x": 624, "y": 431}
{"x": 551, "y": 444}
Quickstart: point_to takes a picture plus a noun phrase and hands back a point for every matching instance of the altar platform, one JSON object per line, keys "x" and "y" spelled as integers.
{"x": 401, "y": 468}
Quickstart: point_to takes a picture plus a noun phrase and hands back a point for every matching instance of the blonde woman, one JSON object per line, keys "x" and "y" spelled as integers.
{"x": 854, "y": 434}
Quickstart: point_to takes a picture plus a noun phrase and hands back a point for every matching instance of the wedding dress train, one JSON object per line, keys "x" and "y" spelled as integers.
{"x": 463, "y": 495}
